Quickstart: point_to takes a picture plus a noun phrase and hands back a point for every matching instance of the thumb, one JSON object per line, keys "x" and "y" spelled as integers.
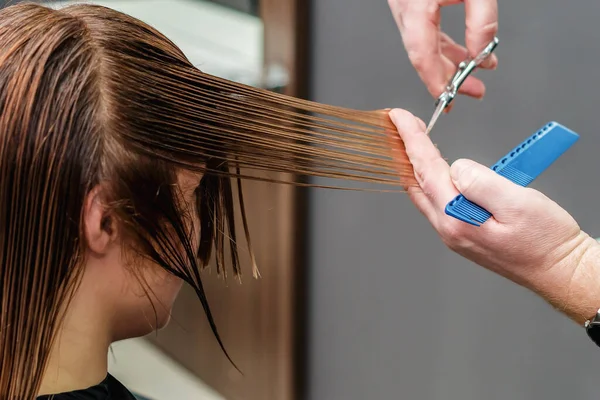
{"x": 483, "y": 186}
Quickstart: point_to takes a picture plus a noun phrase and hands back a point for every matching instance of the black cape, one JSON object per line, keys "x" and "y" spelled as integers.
{"x": 109, "y": 389}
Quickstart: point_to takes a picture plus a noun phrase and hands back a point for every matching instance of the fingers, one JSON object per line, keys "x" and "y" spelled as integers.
{"x": 482, "y": 26}
{"x": 457, "y": 53}
{"x": 431, "y": 170}
{"x": 405, "y": 120}
{"x": 418, "y": 22}
{"x": 439, "y": 183}
{"x": 421, "y": 42}
{"x": 485, "y": 187}
{"x": 452, "y": 50}
{"x": 472, "y": 86}
{"x": 434, "y": 54}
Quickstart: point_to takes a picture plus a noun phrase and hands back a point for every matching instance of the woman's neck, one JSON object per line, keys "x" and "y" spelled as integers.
{"x": 78, "y": 358}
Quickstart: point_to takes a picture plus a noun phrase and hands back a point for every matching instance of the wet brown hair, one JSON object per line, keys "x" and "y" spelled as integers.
{"x": 91, "y": 96}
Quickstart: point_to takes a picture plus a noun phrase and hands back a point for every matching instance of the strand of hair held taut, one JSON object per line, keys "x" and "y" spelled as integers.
{"x": 273, "y": 132}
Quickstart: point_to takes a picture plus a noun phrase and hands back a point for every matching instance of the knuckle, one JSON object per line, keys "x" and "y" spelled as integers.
{"x": 453, "y": 235}
{"x": 527, "y": 198}
{"x": 490, "y": 27}
{"x": 428, "y": 178}
{"x": 422, "y": 180}
{"x": 416, "y": 56}
{"x": 450, "y": 230}
{"x": 427, "y": 182}
{"x": 479, "y": 28}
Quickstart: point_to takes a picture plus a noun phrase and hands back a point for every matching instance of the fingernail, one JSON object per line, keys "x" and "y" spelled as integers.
{"x": 456, "y": 170}
{"x": 395, "y": 115}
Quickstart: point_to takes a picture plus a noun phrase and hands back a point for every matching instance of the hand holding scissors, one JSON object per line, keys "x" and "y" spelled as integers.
{"x": 465, "y": 68}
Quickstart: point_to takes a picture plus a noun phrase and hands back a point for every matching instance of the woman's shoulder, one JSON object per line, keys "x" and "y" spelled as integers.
{"x": 109, "y": 389}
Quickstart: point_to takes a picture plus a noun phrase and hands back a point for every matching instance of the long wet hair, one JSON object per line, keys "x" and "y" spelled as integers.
{"x": 91, "y": 96}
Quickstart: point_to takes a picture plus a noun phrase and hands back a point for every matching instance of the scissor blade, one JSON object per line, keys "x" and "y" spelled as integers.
{"x": 436, "y": 114}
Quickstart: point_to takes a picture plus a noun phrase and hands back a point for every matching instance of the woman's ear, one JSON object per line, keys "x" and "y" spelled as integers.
{"x": 99, "y": 224}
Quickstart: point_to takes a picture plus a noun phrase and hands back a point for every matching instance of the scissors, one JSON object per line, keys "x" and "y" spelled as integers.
{"x": 465, "y": 68}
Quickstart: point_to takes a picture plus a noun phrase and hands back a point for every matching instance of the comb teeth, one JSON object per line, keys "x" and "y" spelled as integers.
{"x": 467, "y": 211}
{"x": 516, "y": 176}
{"x": 521, "y": 165}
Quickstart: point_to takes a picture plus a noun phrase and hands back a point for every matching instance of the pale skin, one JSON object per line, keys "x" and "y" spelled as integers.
{"x": 530, "y": 240}
{"x": 433, "y": 53}
{"x": 111, "y": 304}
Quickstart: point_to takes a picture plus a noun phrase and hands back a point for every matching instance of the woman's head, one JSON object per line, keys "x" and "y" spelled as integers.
{"x": 96, "y": 202}
{"x": 116, "y": 159}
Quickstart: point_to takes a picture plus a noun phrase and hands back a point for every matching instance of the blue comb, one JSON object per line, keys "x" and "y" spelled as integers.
{"x": 521, "y": 165}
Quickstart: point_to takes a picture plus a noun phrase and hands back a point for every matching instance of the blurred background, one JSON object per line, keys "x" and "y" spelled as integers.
{"x": 358, "y": 297}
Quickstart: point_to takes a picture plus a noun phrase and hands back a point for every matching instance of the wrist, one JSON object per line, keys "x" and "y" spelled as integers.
{"x": 572, "y": 286}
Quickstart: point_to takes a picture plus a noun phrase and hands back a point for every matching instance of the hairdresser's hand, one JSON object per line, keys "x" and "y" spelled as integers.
{"x": 530, "y": 239}
{"x": 434, "y": 54}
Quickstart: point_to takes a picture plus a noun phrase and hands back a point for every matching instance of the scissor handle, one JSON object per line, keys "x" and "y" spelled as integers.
{"x": 465, "y": 68}
{"x": 486, "y": 52}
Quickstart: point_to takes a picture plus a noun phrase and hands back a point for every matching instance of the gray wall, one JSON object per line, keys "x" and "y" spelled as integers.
{"x": 393, "y": 313}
